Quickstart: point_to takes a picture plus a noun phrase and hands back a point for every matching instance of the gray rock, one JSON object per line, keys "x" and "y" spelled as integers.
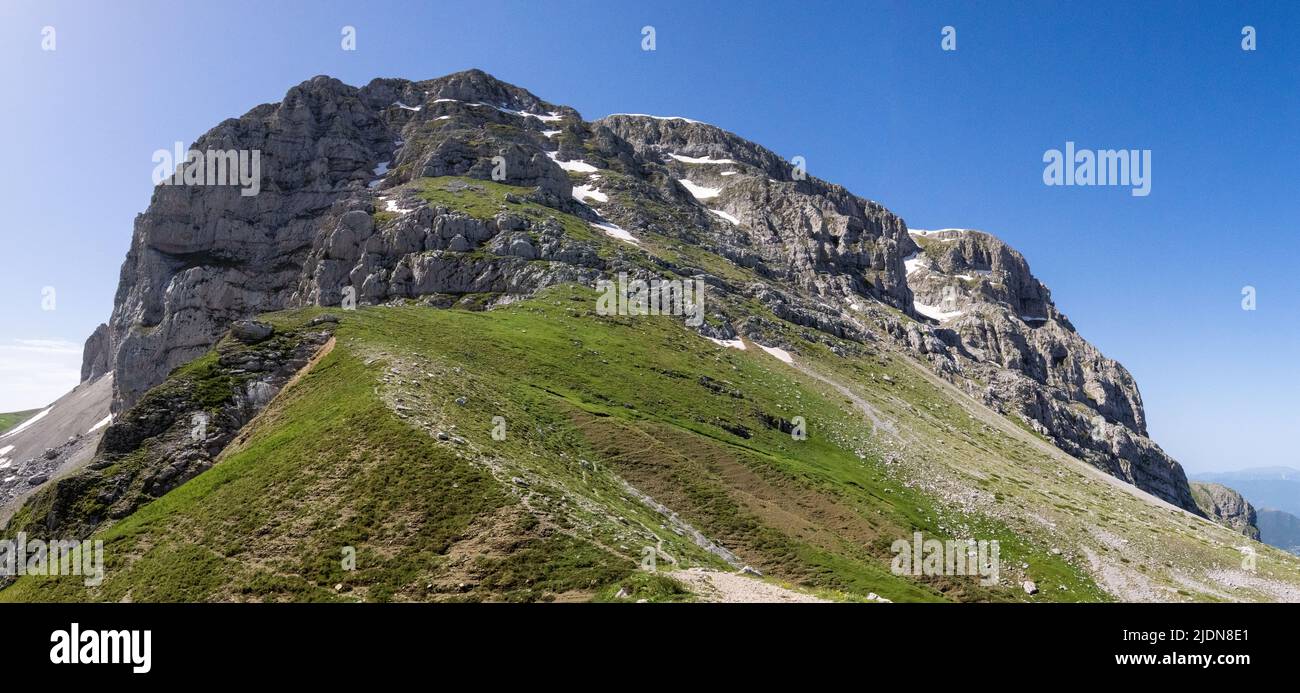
{"x": 1030, "y": 587}
{"x": 250, "y": 331}
{"x": 459, "y": 244}
{"x": 1226, "y": 507}
{"x": 521, "y": 247}
{"x": 1008, "y": 333}
{"x": 96, "y": 355}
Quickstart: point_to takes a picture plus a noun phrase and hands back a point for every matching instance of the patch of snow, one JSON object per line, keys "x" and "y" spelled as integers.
{"x": 401, "y": 105}
{"x": 582, "y": 192}
{"x": 912, "y": 263}
{"x": 726, "y": 216}
{"x": 729, "y": 343}
{"x": 545, "y": 118}
{"x": 4, "y": 463}
{"x": 5, "y": 450}
{"x": 391, "y": 206}
{"x": 443, "y": 118}
{"x": 645, "y": 115}
{"x": 576, "y": 165}
{"x": 445, "y": 100}
{"x": 8, "y": 479}
{"x": 779, "y": 353}
{"x": 102, "y": 423}
{"x": 934, "y": 311}
{"x": 699, "y": 192}
{"x": 24, "y": 425}
{"x": 730, "y": 173}
{"x": 550, "y": 133}
{"x": 700, "y": 160}
{"x": 614, "y": 231}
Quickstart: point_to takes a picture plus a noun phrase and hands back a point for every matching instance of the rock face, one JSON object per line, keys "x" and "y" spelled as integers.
{"x": 993, "y": 322}
{"x": 1226, "y": 506}
{"x": 466, "y": 191}
{"x": 96, "y": 356}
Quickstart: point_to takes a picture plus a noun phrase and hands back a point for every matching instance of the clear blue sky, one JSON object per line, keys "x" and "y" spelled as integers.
{"x": 860, "y": 89}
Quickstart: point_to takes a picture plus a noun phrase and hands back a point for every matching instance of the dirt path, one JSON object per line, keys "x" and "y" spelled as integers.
{"x": 879, "y": 422}
{"x": 734, "y": 588}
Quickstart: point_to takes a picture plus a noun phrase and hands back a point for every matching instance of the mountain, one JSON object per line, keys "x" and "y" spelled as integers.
{"x": 1280, "y": 529}
{"x": 402, "y": 347}
{"x": 1226, "y": 506}
{"x": 810, "y": 252}
{"x": 1255, "y": 474}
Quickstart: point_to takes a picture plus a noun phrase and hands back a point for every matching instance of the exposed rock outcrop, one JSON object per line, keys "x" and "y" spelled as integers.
{"x": 173, "y": 434}
{"x": 997, "y": 326}
{"x": 1226, "y": 506}
{"x": 96, "y": 355}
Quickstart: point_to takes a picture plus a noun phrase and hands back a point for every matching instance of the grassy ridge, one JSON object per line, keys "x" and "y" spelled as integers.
{"x": 350, "y": 456}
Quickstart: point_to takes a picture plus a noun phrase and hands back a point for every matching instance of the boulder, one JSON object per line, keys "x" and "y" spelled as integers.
{"x": 251, "y": 331}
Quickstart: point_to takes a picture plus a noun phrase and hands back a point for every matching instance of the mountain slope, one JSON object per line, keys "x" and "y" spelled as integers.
{"x": 54, "y": 441}
{"x": 351, "y": 455}
{"x": 941, "y": 389}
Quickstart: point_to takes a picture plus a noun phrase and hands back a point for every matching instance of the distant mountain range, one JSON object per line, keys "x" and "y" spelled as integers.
{"x": 1264, "y": 487}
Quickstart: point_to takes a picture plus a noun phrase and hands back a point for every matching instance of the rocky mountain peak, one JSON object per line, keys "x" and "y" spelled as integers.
{"x": 387, "y": 193}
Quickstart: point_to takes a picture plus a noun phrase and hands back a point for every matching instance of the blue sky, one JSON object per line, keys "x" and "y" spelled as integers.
{"x": 862, "y": 90}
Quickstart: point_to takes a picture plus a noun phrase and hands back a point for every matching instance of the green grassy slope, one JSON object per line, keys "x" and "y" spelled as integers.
{"x": 351, "y": 456}
{"x": 11, "y": 419}
{"x": 633, "y": 436}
